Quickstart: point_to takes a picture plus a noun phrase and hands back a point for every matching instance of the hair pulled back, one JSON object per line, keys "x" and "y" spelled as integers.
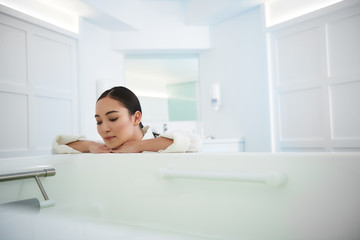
{"x": 126, "y": 97}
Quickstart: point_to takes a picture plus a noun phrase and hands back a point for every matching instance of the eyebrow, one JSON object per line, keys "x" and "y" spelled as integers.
{"x": 107, "y": 113}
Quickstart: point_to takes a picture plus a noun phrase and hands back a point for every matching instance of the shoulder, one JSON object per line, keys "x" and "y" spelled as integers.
{"x": 148, "y": 134}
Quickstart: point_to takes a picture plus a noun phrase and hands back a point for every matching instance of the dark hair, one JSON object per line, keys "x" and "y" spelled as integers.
{"x": 126, "y": 97}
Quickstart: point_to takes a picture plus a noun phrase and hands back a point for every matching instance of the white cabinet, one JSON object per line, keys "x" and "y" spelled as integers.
{"x": 224, "y": 145}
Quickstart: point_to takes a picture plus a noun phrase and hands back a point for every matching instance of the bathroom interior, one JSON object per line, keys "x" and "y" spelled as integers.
{"x": 271, "y": 87}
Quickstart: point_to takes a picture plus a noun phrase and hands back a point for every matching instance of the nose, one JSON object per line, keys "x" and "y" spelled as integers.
{"x": 105, "y": 127}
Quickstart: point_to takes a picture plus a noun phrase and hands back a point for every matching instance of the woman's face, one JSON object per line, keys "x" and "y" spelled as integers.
{"x": 114, "y": 123}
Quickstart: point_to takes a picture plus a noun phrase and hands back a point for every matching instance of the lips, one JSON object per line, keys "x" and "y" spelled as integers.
{"x": 109, "y": 138}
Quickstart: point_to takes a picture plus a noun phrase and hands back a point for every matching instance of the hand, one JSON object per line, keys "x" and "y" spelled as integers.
{"x": 128, "y": 147}
{"x": 95, "y": 147}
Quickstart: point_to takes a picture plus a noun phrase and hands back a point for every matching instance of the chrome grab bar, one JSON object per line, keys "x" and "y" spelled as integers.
{"x": 275, "y": 179}
{"x": 47, "y": 172}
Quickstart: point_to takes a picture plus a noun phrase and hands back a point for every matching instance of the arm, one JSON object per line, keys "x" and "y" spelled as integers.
{"x": 85, "y": 146}
{"x": 183, "y": 142}
{"x": 174, "y": 142}
{"x": 149, "y": 145}
{"x": 69, "y": 144}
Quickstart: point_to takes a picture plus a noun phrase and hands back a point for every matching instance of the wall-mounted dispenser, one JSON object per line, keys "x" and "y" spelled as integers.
{"x": 215, "y": 96}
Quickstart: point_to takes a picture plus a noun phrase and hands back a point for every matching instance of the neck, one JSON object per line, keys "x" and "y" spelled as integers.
{"x": 138, "y": 133}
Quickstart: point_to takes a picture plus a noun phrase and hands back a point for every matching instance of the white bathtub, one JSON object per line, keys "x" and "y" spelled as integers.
{"x": 122, "y": 196}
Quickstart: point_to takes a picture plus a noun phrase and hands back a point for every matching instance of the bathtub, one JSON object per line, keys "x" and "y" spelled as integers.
{"x": 133, "y": 196}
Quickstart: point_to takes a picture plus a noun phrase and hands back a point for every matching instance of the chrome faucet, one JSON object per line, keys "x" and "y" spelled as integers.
{"x": 165, "y": 128}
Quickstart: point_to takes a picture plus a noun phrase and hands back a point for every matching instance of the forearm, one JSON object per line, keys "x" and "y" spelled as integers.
{"x": 148, "y": 145}
{"x": 85, "y": 146}
{"x": 81, "y": 145}
{"x": 155, "y": 145}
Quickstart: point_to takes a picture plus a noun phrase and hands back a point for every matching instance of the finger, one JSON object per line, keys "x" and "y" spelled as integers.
{"x": 106, "y": 150}
{"x": 102, "y": 150}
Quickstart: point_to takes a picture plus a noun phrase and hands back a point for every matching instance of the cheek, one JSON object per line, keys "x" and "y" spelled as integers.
{"x": 121, "y": 127}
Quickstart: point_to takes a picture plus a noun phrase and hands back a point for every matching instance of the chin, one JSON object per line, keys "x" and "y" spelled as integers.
{"x": 114, "y": 145}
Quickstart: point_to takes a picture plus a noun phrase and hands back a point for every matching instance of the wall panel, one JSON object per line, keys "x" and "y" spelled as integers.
{"x": 51, "y": 66}
{"x": 343, "y": 36}
{"x": 315, "y": 66}
{"x": 298, "y": 58}
{"x": 345, "y": 113}
{"x": 52, "y": 117}
{"x": 14, "y": 122}
{"x": 38, "y": 85}
{"x": 13, "y": 52}
{"x": 301, "y": 115}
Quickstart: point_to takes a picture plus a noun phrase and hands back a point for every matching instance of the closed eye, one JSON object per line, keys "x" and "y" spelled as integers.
{"x": 98, "y": 123}
{"x": 113, "y": 119}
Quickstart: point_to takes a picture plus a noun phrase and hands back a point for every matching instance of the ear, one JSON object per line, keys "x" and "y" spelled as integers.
{"x": 137, "y": 118}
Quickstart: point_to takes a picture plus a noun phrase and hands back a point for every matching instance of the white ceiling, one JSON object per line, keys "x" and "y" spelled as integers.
{"x": 121, "y": 14}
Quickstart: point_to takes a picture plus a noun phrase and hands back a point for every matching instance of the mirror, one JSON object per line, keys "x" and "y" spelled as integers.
{"x": 166, "y": 85}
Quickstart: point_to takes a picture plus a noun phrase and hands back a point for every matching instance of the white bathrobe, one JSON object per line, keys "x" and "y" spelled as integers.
{"x": 183, "y": 142}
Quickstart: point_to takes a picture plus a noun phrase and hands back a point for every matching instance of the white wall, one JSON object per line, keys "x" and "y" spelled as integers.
{"x": 238, "y": 62}
{"x": 97, "y": 62}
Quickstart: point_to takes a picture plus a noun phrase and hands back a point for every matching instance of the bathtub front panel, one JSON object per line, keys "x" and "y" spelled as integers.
{"x": 321, "y": 193}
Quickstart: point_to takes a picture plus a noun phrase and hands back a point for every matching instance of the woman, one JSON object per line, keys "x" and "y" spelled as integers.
{"x": 118, "y": 116}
